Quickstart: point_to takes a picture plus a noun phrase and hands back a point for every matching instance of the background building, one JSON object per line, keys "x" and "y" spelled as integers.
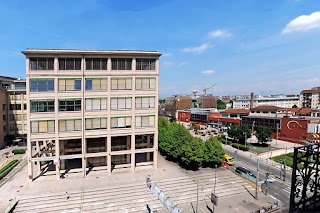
{"x": 181, "y": 102}
{"x": 92, "y": 108}
{"x": 310, "y": 98}
{"x": 13, "y": 116}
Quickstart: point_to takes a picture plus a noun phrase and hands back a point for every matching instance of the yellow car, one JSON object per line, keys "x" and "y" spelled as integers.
{"x": 229, "y": 160}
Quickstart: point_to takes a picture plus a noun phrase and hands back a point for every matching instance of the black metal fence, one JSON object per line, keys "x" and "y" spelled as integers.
{"x": 305, "y": 185}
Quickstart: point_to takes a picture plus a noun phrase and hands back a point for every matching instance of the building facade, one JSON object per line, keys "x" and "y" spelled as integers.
{"x": 13, "y": 115}
{"x": 172, "y": 104}
{"x": 92, "y": 108}
{"x": 310, "y": 98}
{"x": 280, "y": 101}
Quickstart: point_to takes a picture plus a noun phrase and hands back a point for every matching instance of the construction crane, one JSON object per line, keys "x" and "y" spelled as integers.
{"x": 209, "y": 87}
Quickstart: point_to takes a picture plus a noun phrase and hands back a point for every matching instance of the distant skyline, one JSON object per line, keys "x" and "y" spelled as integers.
{"x": 265, "y": 47}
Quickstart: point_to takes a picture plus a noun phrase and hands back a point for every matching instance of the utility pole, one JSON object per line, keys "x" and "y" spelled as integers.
{"x": 245, "y": 139}
{"x": 257, "y": 178}
{"x": 277, "y": 135}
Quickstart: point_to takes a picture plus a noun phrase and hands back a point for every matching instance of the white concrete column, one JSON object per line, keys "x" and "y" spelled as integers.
{"x": 29, "y": 145}
{"x": 109, "y": 154}
{"x": 38, "y": 156}
{"x": 133, "y": 155}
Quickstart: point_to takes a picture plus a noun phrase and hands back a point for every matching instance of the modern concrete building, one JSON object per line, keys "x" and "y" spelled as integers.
{"x": 279, "y": 101}
{"x": 310, "y": 98}
{"x": 13, "y": 112}
{"x": 175, "y": 103}
{"x": 91, "y": 108}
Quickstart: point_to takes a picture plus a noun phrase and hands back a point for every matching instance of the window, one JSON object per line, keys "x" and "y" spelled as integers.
{"x": 145, "y": 64}
{"x": 4, "y": 107}
{"x": 120, "y": 103}
{"x": 24, "y": 106}
{"x": 42, "y": 106}
{"x": 96, "y": 123}
{"x": 18, "y": 117}
{"x": 5, "y": 128}
{"x": 15, "y": 106}
{"x": 69, "y": 63}
{"x": 144, "y": 121}
{"x": 25, "y": 117}
{"x": 121, "y": 63}
{"x": 145, "y": 83}
{"x": 42, "y": 126}
{"x": 121, "y": 122}
{"x": 96, "y": 145}
{"x": 25, "y": 127}
{"x": 41, "y": 85}
{"x": 11, "y": 117}
{"x": 96, "y": 63}
{"x": 19, "y": 127}
{"x": 41, "y": 63}
{"x": 121, "y": 84}
{"x": 4, "y": 117}
{"x": 15, "y": 96}
{"x": 120, "y": 143}
{"x": 69, "y": 84}
{"x": 70, "y": 125}
{"x": 70, "y": 105}
{"x": 13, "y": 127}
{"x": 96, "y": 83}
{"x": 96, "y": 103}
{"x": 145, "y": 102}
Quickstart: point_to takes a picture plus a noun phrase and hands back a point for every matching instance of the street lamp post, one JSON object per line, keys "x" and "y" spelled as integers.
{"x": 245, "y": 139}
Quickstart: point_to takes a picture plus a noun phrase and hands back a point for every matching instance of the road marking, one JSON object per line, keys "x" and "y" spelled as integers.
{"x": 273, "y": 197}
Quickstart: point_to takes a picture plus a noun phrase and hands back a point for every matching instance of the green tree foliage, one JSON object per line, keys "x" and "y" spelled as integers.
{"x": 192, "y": 153}
{"x": 239, "y": 133}
{"x": 213, "y": 152}
{"x": 263, "y": 134}
{"x": 221, "y": 104}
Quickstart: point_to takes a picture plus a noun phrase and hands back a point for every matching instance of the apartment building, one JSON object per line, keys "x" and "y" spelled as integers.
{"x": 310, "y": 98}
{"x": 175, "y": 103}
{"x": 13, "y": 112}
{"x": 91, "y": 108}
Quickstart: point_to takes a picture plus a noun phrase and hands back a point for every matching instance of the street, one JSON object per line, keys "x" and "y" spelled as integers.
{"x": 278, "y": 189}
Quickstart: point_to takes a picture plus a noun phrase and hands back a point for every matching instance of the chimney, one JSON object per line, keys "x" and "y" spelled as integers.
{"x": 252, "y": 101}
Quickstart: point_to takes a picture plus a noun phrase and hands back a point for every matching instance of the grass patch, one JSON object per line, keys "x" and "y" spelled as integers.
{"x": 258, "y": 148}
{"x": 19, "y": 151}
{"x": 8, "y": 166}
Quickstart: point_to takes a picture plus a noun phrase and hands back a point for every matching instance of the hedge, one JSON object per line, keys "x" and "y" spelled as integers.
{"x": 8, "y": 166}
{"x": 19, "y": 151}
{"x": 240, "y": 146}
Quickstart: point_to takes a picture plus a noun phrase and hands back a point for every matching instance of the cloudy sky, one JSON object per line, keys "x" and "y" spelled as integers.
{"x": 266, "y": 47}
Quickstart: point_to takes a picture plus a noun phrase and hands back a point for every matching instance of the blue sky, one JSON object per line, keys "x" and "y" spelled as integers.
{"x": 266, "y": 47}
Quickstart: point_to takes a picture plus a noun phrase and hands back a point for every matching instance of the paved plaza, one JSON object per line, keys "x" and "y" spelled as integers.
{"x": 124, "y": 191}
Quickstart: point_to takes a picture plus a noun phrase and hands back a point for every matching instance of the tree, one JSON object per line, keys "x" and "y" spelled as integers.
{"x": 172, "y": 118}
{"x": 263, "y": 134}
{"x": 220, "y": 104}
{"x": 239, "y": 133}
{"x": 213, "y": 152}
{"x": 192, "y": 153}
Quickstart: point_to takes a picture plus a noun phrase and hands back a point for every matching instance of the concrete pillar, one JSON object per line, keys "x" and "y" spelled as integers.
{"x": 106, "y": 148}
{"x": 148, "y": 145}
{"x": 109, "y": 154}
{"x": 84, "y": 161}
{"x": 133, "y": 155}
{"x": 38, "y": 156}
{"x": 45, "y": 148}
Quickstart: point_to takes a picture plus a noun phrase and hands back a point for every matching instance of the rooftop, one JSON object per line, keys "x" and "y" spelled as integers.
{"x": 267, "y": 107}
{"x": 88, "y": 51}
{"x": 236, "y": 111}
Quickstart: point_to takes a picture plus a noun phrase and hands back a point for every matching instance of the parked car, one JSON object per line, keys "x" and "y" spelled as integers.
{"x": 242, "y": 170}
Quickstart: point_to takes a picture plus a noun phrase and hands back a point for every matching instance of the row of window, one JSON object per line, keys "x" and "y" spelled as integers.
{"x": 17, "y": 106}
{"x": 92, "y": 104}
{"x": 91, "y": 64}
{"x": 91, "y": 84}
{"x": 15, "y": 127}
{"x": 91, "y": 124}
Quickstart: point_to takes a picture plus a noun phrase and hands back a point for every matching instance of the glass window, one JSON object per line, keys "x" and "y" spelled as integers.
{"x": 96, "y": 123}
{"x": 145, "y": 102}
{"x": 69, "y": 84}
{"x": 96, "y": 83}
{"x": 70, "y": 125}
{"x": 121, "y": 84}
{"x": 121, "y": 122}
{"x": 41, "y": 85}
{"x": 42, "y": 105}
{"x": 121, "y": 63}
{"x": 145, "y": 64}
{"x": 96, "y": 63}
{"x": 121, "y": 103}
{"x": 145, "y": 121}
{"x": 15, "y": 106}
{"x": 41, "y": 63}
{"x": 42, "y": 126}
{"x": 70, "y": 105}
{"x": 145, "y": 83}
{"x": 96, "y": 103}
{"x": 69, "y": 63}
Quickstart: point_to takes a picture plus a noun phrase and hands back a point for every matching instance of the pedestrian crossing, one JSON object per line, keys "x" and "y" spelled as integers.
{"x": 300, "y": 188}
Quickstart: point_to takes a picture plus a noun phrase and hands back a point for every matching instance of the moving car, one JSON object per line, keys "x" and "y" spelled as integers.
{"x": 229, "y": 160}
{"x": 242, "y": 170}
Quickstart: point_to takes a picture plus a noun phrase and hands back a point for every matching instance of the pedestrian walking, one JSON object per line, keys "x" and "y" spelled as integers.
{"x": 66, "y": 196}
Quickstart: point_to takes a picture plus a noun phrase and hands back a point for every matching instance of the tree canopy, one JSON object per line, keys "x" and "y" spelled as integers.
{"x": 263, "y": 134}
{"x": 176, "y": 142}
{"x": 239, "y": 133}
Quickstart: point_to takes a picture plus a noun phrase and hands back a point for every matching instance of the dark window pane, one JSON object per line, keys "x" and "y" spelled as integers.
{"x": 77, "y": 85}
{"x": 88, "y": 84}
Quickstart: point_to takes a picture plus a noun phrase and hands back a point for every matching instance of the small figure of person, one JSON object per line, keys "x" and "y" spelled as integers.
{"x": 66, "y": 196}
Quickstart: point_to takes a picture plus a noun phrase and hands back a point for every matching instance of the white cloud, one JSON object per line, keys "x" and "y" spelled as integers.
{"x": 219, "y": 34}
{"x": 166, "y": 54}
{"x": 208, "y": 72}
{"x": 303, "y": 23}
{"x": 197, "y": 49}
{"x": 167, "y": 63}
{"x": 182, "y": 64}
